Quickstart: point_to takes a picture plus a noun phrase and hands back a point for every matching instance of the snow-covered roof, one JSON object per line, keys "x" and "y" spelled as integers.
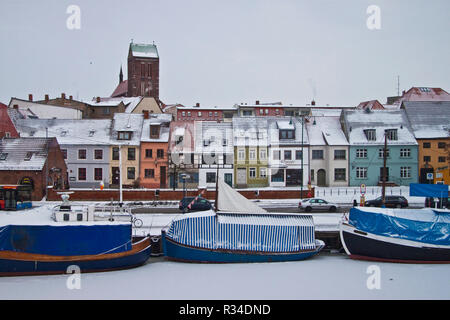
{"x": 66, "y": 131}
{"x": 357, "y": 121}
{"x": 429, "y": 119}
{"x": 250, "y": 131}
{"x": 142, "y": 50}
{"x": 127, "y": 122}
{"x": 286, "y": 123}
{"x": 163, "y": 120}
{"x": 326, "y": 130}
{"x": 23, "y": 153}
{"x": 203, "y": 108}
{"x": 45, "y": 111}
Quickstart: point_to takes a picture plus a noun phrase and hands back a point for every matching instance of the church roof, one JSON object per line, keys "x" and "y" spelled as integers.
{"x": 143, "y": 50}
{"x": 121, "y": 90}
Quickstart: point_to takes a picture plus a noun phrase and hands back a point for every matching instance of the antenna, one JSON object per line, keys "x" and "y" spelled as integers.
{"x": 398, "y": 86}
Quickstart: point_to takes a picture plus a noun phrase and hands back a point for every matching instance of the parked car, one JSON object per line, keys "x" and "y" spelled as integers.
{"x": 390, "y": 201}
{"x": 311, "y": 204}
{"x": 200, "y": 204}
{"x": 437, "y": 202}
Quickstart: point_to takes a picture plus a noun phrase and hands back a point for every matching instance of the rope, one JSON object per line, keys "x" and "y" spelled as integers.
{"x": 125, "y": 244}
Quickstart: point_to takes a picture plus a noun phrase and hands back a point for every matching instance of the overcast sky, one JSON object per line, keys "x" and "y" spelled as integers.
{"x": 228, "y": 51}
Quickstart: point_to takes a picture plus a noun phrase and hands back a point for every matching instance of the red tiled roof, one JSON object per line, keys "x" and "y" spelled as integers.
{"x": 372, "y": 105}
{"x": 425, "y": 94}
{"x": 121, "y": 90}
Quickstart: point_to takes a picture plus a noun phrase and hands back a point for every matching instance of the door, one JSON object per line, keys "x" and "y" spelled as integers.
{"x": 162, "y": 178}
{"x": 228, "y": 177}
{"x": 115, "y": 175}
{"x": 241, "y": 176}
{"x": 321, "y": 178}
{"x": 10, "y": 199}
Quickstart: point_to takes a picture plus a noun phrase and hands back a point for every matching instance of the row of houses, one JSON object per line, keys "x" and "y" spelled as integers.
{"x": 312, "y": 146}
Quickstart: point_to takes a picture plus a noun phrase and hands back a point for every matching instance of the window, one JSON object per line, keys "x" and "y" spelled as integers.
{"x": 427, "y": 145}
{"x": 66, "y": 217}
{"x": 206, "y": 142}
{"x": 131, "y": 173}
{"x": 361, "y": 153}
{"x": 160, "y": 153}
{"x": 210, "y": 177}
{"x": 247, "y": 113}
{"x": 199, "y": 113}
{"x": 154, "y": 131}
{"x": 441, "y": 159}
{"x": 298, "y": 154}
{"x": 286, "y": 134}
{"x": 82, "y": 174}
{"x": 339, "y": 155}
{"x": 252, "y": 154}
{"x": 277, "y": 175}
{"x": 98, "y": 154}
{"x": 371, "y": 134}
{"x": 210, "y": 113}
{"x": 183, "y": 114}
{"x": 276, "y": 154}
{"x": 405, "y": 172}
{"x": 3, "y": 155}
{"x": 267, "y": 111}
{"x": 82, "y": 154}
{"x": 123, "y": 135}
{"x": 381, "y": 153}
{"x": 64, "y": 152}
{"x": 79, "y": 217}
{"x": 216, "y": 114}
{"x": 106, "y": 110}
{"x": 224, "y": 142}
{"x": 149, "y": 153}
{"x": 287, "y": 155}
{"x": 426, "y": 158}
{"x": 261, "y": 111}
{"x": 262, "y": 154}
{"x": 98, "y": 174}
{"x": 115, "y": 153}
{"x": 131, "y": 154}
{"x": 189, "y": 114}
{"x": 405, "y": 153}
{"x": 149, "y": 173}
{"x": 441, "y": 145}
{"x": 241, "y": 154}
{"x": 252, "y": 172}
{"x": 391, "y": 134}
{"x": 312, "y": 174}
{"x": 262, "y": 172}
{"x": 28, "y": 156}
{"x": 317, "y": 154}
{"x": 339, "y": 174}
{"x": 361, "y": 173}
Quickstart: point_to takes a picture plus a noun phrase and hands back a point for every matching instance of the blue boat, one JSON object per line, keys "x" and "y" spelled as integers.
{"x": 397, "y": 235}
{"x": 31, "y": 243}
{"x": 240, "y": 232}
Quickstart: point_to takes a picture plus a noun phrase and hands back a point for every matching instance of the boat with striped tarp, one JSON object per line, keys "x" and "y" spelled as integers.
{"x": 240, "y": 235}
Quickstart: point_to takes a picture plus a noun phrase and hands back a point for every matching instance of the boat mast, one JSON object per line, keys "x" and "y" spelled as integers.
{"x": 383, "y": 182}
{"x": 216, "y": 202}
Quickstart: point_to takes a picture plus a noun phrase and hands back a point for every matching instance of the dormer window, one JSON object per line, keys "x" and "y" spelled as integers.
{"x": 63, "y": 133}
{"x": 371, "y": 134}
{"x": 91, "y": 133}
{"x": 178, "y": 139}
{"x": 206, "y": 142}
{"x": 28, "y": 156}
{"x": 123, "y": 135}
{"x": 154, "y": 131}
{"x": 3, "y": 155}
{"x": 391, "y": 134}
{"x": 287, "y": 134}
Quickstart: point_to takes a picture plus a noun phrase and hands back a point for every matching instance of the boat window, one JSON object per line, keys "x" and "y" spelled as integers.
{"x": 66, "y": 217}
{"x": 79, "y": 217}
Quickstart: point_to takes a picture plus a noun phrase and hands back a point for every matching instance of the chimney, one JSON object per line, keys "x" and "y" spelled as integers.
{"x": 30, "y": 97}
{"x": 313, "y": 103}
{"x": 98, "y": 99}
{"x": 145, "y": 112}
{"x": 197, "y": 104}
{"x": 257, "y": 102}
{"x": 70, "y": 97}
{"x": 46, "y": 98}
{"x": 63, "y": 95}
{"x": 16, "y": 106}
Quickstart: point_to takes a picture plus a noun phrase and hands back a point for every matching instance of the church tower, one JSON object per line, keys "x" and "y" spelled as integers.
{"x": 143, "y": 70}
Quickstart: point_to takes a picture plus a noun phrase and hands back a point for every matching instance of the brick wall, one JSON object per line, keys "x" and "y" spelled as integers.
{"x": 149, "y": 195}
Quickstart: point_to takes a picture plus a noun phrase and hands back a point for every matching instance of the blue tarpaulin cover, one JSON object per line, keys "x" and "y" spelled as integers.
{"x": 66, "y": 240}
{"x": 428, "y": 190}
{"x": 422, "y": 225}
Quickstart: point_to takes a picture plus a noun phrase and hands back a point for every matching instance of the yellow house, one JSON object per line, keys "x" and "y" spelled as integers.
{"x": 434, "y": 158}
{"x": 125, "y": 148}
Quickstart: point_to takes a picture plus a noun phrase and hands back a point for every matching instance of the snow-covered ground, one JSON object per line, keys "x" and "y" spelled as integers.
{"x": 326, "y": 276}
